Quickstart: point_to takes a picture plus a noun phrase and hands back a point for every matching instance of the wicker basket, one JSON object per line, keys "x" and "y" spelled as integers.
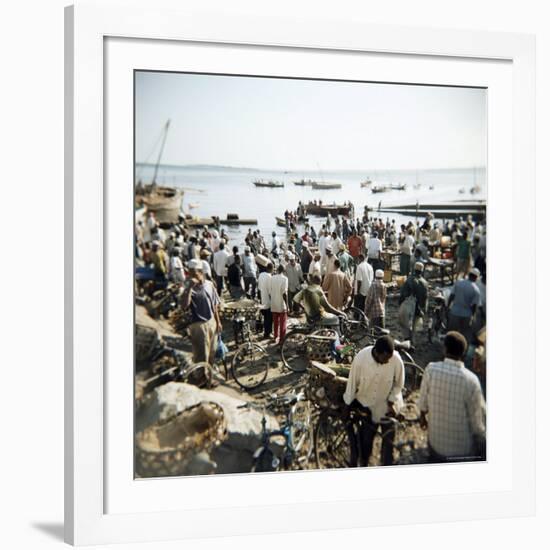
{"x": 166, "y": 448}
{"x": 320, "y": 345}
{"x": 247, "y": 309}
{"x": 325, "y": 388}
{"x": 147, "y": 339}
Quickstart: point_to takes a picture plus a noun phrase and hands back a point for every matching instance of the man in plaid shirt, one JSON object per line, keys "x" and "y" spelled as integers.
{"x": 452, "y": 406}
{"x": 375, "y": 304}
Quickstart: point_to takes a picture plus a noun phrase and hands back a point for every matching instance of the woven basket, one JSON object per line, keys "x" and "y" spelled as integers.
{"x": 166, "y": 448}
{"x": 320, "y": 344}
{"x": 325, "y": 388}
{"x": 247, "y": 309}
{"x": 147, "y": 339}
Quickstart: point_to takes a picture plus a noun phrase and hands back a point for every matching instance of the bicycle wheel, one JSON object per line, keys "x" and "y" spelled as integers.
{"x": 266, "y": 461}
{"x": 331, "y": 444}
{"x": 301, "y": 433}
{"x": 294, "y": 350}
{"x": 413, "y": 377}
{"x": 356, "y": 327}
{"x": 250, "y": 365}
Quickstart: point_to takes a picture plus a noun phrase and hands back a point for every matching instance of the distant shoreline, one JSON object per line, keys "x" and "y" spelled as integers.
{"x": 299, "y": 172}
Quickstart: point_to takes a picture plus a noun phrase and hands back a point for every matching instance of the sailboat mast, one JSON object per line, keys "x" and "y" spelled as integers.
{"x": 166, "y": 126}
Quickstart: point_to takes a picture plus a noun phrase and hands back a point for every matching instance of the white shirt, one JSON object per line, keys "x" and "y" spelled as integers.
{"x": 375, "y": 248}
{"x": 206, "y": 268}
{"x": 314, "y": 267}
{"x": 279, "y": 286}
{"x": 220, "y": 262}
{"x": 374, "y": 384}
{"x": 264, "y": 286}
{"x": 327, "y": 264}
{"x": 363, "y": 278}
{"x": 407, "y": 245}
{"x": 323, "y": 241}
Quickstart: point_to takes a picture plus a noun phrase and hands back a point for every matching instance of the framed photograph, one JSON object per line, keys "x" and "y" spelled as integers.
{"x": 286, "y": 244}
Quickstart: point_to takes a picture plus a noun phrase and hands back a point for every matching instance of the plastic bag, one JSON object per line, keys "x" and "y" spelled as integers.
{"x": 221, "y": 350}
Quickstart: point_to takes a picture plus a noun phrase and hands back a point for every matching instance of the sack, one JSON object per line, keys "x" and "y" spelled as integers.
{"x": 406, "y": 312}
{"x": 221, "y": 350}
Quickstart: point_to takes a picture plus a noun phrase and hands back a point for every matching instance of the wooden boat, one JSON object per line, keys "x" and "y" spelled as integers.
{"x": 325, "y": 185}
{"x": 164, "y": 201}
{"x": 398, "y": 186}
{"x": 324, "y": 209}
{"x": 380, "y": 189}
{"x": 270, "y": 184}
{"x": 366, "y": 183}
{"x": 303, "y": 182}
{"x": 237, "y": 221}
{"x": 281, "y": 222}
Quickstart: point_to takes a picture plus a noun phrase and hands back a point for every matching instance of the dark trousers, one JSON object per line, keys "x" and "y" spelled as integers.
{"x": 250, "y": 286}
{"x": 268, "y": 322}
{"x": 219, "y": 284}
{"x": 361, "y": 435}
{"x": 359, "y": 301}
{"x": 404, "y": 264}
{"x": 379, "y": 322}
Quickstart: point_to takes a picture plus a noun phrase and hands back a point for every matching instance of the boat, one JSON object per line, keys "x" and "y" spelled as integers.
{"x": 379, "y": 188}
{"x": 366, "y": 183}
{"x": 269, "y": 183}
{"x": 303, "y": 182}
{"x": 325, "y": 185}
{"x": 281, "y": 222}
{"x": 398, "y": 186}
{"x": 316, "y": 209}
{"x": 164, "y": 201}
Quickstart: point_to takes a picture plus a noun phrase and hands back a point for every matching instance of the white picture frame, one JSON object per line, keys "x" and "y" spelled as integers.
{"x": 103, "y": 503}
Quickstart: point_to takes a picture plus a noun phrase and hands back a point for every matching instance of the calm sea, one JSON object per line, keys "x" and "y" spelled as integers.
{"x": 218, "y": 191}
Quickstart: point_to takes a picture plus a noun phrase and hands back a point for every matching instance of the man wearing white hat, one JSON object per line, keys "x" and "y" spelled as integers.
{"x": 375, "y": 304}
{"x": 463, "y": 303}
{"x": 200, "y": 295}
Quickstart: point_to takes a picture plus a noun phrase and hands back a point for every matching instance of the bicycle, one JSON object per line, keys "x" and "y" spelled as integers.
{"x": 438, "y": 314}
{"x": 251, "y": 362}
{"x": 334, "y": 449}
{"x": 297, "y": 432}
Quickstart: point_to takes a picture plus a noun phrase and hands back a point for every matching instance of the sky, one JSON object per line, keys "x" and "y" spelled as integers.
{"x": 285, "y": 124}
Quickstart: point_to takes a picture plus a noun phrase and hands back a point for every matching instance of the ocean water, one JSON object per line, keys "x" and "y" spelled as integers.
{"x": 219, "y": 191}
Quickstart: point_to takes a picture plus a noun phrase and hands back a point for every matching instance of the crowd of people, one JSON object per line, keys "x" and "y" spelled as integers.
{"x": 322, "y": 271}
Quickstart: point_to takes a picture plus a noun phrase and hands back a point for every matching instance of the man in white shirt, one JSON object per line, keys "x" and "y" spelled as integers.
{"x": 323, "y": 243}
{"x": 363, "y": 279}
{"x": 374, "y": 252}
{"x": 279, "y": 303}
{"x": 374, "y": 390}
{"x": 219, "y": 262}
{"x": 406, "y": 248}
{"x": 327, "y": 262}
{"x": 275, "y": 245}
{"x": 315, "y": 266}
{"x": 264, "y": 288}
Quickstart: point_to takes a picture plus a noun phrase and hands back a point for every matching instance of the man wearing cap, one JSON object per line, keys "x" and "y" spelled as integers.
{"x": 201, "y": 296}
{"x": 337, "y": 286}
{"x": 306, "y": 257}
{"x": 206, "y": 269}
{"x": 250, "y": 272}
{"x": 327, "y": 262}
{"x": 295, "y": 279}
{"x": 375, "y": 304}
{"x": 452, "y": 406}
{"x": 416, "y": 287}
{"x": 463, "y": 303}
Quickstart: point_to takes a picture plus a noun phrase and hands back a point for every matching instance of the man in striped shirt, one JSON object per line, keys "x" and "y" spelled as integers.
{"x": 452, "y": 406}
{"x": 375, "y": 304}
